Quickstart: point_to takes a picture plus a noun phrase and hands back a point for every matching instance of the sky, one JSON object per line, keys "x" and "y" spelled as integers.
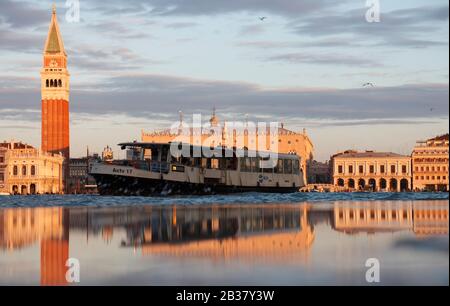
{"x": 135, "y": 64}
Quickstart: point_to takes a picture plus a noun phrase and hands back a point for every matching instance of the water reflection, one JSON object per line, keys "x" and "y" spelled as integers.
{"x": 268, "y": 233}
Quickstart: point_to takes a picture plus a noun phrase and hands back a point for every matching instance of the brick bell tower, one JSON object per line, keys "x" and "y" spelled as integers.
{"x": 55, "y": 96}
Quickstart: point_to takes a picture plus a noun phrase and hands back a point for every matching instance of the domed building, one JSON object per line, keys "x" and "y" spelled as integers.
{"x": 289, "y": 142}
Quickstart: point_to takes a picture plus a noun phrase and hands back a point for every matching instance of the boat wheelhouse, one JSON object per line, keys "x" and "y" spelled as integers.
{"x": 155, "y": 169}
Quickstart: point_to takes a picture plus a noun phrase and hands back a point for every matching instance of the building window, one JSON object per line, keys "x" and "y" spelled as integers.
{"x": 350, "y": 169}
{"x": 2, "y": 177}
{"x": 24, "y": 170}
{"x": 361, "y": 169}
{"x": 2, "y": 159}
{"x": 15, "y": 170}
{"x": 382, "y": 169}
{"x": 392, "y": 168}
{"x": 372, "y": 169}
{"x": 33, "y": 170}
{"x": 404, "y": 169}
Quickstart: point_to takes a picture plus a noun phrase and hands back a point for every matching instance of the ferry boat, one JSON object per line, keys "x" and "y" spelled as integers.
{"x": 155, "y": 171}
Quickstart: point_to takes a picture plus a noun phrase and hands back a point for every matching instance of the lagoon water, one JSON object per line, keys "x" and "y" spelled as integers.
{"x": 246, "y": 239}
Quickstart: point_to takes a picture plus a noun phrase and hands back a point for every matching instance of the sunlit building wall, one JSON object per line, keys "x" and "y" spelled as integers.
{"x": 431, "y": 164}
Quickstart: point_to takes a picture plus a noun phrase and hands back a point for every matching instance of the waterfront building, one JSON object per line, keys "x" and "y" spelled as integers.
{"x": 79, "y": 181}
{"x": 318, "y": 172}
{"x": 27, "y": 170}
{"x": 289, "y": 142}
{"x": 377, "y": 171}
{"x": 430, "y": 164}
{"x": 55, "y": 85}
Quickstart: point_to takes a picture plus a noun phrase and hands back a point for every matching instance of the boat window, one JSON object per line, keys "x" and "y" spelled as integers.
{"x": 147, "y": 154}
{"x": 287, "y": 166}
{"x": 265, "y": 165}
{"x": 279, "y": 167}
{"x": 296, "y": 166}
{"x": 222, "y": 163}
{"x": 213, "y": 163}
{"x": 155, "y": 153}
{"x": 246, "y": 164}
{"x": 255, "y": 164}
{"x": 164, "y": 153}
{"x": 231, "y": 163}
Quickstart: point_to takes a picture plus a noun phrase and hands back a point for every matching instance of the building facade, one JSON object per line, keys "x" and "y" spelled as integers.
{"x": 78, "y": 173}
{"x": 376, "y": 171}
{"x": 79, "y": 181}
{"x": 27, "y": 170}
{"x": 288, "y": 142}
{"x": 318, "y": 172}
{"x": 55, "y": 85}
{"x": 430, "y": 164}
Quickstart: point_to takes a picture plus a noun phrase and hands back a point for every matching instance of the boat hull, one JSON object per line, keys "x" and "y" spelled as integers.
{"x": 116, "y": 185}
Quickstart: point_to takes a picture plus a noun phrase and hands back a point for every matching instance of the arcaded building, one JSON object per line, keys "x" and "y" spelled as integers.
{"x": 430, "y": 164}
{"x": 376, "y": 171}
{"x": 288, "y": 142}
{"x": 27, "y": 170}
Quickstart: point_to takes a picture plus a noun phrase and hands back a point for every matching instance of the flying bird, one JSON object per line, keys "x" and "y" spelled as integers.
{"x": 431, "y": 109}
{"x": 262, "y": 18}
{"x": 368, "y": 84}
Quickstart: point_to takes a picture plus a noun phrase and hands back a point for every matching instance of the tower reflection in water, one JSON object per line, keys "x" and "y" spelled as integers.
{"x": 274, "y": 233}
{"x": 21, "y": 228}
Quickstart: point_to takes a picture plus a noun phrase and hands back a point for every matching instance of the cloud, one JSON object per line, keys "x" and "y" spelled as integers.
{"x": 113, "y": 58}
{"x": 20, "y": 14}
{"x": 117, "y": 29}
{"x": 12, "y": 40}
{"x": 252, "y": 29}
{"x": 395, "y": 29}
{"x": 145, "y": 95}
{"x": 181, "y": 25}
{"x": 207, "y": 7}
{"x": 324, "y": 59}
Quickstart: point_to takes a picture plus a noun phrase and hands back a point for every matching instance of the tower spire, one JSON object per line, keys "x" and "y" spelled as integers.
{"x": 214, "y": 121}
{"x": 54, "y": 43}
